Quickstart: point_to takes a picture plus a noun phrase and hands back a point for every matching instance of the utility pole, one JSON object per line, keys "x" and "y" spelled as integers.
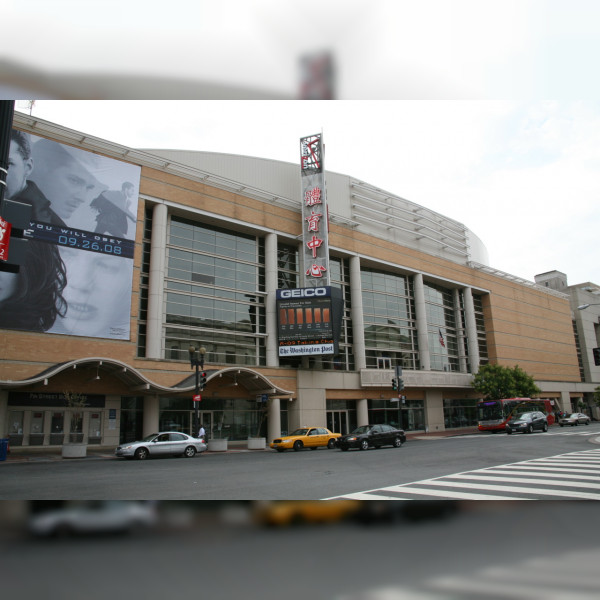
{"x": 197, "y": 361}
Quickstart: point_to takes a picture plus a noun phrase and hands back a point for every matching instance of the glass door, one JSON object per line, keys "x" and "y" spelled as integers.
{"x": 337, "y": 421}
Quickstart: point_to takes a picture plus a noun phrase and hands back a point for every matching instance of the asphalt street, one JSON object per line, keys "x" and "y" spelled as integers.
{"x": 293, "y": 475}
{"x": 516, "y": 550}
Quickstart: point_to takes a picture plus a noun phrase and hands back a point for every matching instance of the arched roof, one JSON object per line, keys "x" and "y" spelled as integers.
{"x": 251, "y": 380}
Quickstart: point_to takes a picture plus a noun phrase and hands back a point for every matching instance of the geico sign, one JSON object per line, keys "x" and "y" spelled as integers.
{"x": 304, "y": 292}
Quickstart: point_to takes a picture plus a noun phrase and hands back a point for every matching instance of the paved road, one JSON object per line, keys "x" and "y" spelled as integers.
{"x": 319, "y": 474}
{"x": 513, "y": 551}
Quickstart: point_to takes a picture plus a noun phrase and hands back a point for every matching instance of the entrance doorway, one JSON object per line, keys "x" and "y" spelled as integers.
{"x": 337, "y": 421}
{"x": 204, "y": 418}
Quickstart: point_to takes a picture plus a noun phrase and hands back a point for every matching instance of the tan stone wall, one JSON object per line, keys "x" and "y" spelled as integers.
{"x": 525, "y": 326}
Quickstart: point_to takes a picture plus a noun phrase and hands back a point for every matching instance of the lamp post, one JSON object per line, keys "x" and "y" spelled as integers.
{"x": 584, "y": 306}
{"x": 197, "y": 361}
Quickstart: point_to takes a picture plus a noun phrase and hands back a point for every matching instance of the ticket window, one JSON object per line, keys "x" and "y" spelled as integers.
{"x": 15, "y": 427}
{"x": 36, "y": 429}
{"x": 57, "y": 428}
{"x": 95, "y": 428}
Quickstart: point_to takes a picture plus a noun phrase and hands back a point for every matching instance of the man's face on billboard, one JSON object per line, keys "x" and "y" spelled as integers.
{"x": 19, "y": 170}
{"x": 68, "y": 187}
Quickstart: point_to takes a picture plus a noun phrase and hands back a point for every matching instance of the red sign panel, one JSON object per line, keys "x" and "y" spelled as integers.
{"x": 5, "y": 228}
{"x": 197, "y": 398}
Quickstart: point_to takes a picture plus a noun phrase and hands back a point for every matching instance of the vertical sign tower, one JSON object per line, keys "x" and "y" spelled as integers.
{"x": 315, "y": 218}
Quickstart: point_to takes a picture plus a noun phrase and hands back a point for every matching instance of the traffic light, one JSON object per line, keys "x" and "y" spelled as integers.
{"x": 596, "y": 352}
{"x": 400, "y": 383}
{"x": 394, "y": 384}
{"x": 202, "y": 379}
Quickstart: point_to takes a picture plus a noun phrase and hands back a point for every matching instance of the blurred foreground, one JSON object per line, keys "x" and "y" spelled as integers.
{"x": 349, "y": 551}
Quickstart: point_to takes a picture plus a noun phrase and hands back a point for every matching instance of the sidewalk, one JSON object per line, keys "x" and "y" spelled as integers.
{"x": 41, "y": 454}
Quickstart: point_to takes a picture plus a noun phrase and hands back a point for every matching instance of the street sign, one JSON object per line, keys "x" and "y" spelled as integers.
{"x": 197, "y": 398}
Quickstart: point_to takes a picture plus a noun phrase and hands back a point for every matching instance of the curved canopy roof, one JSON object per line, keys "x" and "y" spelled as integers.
{"x": 135, "y": 381}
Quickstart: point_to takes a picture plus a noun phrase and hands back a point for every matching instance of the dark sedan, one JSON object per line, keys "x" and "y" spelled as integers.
{"x": 528, "y": 423}
{"x": 375, "y": 436}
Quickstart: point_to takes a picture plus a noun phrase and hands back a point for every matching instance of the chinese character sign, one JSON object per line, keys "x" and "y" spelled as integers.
{"x": 314, "y": 213}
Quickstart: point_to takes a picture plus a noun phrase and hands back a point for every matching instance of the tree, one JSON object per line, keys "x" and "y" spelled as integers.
{"x": 495, "y": 382}
{"x": 596, "y": 396}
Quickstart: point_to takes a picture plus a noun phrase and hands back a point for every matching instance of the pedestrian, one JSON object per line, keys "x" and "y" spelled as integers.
{"x": 201, "y": 432}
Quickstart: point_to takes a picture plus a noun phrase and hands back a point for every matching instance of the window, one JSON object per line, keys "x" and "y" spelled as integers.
{"x": 215, "y": 294}
{"x": 444, "y": 337}
{"x": 390, "y": 330}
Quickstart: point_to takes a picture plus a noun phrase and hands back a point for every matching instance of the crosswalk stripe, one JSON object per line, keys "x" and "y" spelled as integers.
{"x": 512, "y": 489}
{"x": 531, "y": 472}
{"x": 559, "y": 482}
{"x": 445, "y": 493}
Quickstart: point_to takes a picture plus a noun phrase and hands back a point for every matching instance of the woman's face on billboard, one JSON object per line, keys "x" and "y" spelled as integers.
{"x": 97, "y": 293}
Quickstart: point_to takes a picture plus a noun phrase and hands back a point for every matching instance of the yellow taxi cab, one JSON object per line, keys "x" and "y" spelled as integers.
{"x": 305, "y": 437}
{"x": 281, "y": 513}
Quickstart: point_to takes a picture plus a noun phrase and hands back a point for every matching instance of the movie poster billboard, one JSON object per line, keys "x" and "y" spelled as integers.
{"x": 77, "y": 277}
{"x": 309, "y": 321}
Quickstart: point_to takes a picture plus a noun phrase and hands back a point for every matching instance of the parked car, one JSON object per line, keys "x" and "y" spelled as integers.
{"x": 305, "y": 437}
{"x": 375, "y": 436}
{"x": 165, "y": 443}
{"x": 574, "y": 419}
{"x": 528, "y": 423}
{"x": 94, "y": 517}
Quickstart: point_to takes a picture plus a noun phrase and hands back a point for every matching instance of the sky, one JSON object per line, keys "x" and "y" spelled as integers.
{"x": 486, "y": 111}
{"x": 522, "y": 176}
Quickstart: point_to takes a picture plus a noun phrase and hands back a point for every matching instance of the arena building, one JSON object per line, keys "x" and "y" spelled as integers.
{"x": 198, "y": 256}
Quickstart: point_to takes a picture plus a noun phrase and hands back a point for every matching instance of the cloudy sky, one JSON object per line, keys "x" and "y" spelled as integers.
{"x": 442, "y": 102}
{"x": 521, "y": 176}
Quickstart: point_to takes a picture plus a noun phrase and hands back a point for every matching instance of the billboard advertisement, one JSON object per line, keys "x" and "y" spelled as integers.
{"x": 77, "y": 277}
{"x": 309, "y": 321}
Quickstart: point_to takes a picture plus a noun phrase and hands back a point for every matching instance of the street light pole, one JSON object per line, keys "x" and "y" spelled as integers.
{"x": 197, "y": 361}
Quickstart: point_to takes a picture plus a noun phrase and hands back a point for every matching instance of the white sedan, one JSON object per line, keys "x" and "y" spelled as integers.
{"x": 166, "y": 443}
{"x": 574, "y": 419}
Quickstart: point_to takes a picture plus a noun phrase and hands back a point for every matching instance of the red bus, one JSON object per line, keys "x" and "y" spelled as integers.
{"x": 493, "y": 415}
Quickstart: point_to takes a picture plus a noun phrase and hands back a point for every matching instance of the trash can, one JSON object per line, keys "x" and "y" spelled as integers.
{"x": 3, "y": 448}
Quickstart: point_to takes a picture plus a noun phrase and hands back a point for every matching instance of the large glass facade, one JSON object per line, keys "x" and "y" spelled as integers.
{"x": 460, "y": 413}
{"x": 215, "y": 294}
{"x": 441, "y": 328}
{"x": 408, "y": 415}
{"x": 389, "y": 320}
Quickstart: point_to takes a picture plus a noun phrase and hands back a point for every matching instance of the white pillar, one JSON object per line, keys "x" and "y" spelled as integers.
{"x": 421, "y": 317}
{"x": 274, "y": 428}
{"x": 158, "y": 256}
{"x": 151, "y": 410}
{"x": 471, "y": 327}
{"x": 271, "y": 301}
{"x": 362, "y": 412}
{"x": 358, "y": 321}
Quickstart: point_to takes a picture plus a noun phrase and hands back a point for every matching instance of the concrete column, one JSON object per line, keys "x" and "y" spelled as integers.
{"x": 358, "y": 321}
{"x": 158, "y": 257}
{"x": 434, "y": 410}
{"x": 421, "y": 317}
{"x": 471, "y": 329}
{"x": 271, "y": 301}
{"x": 362, "y": 412}
{"x": 151, "y": 410}
{"x": 274, "y": 427}
{"x": 3, "y": 414}
{"x": 565, "y": 401}
{"x": 460, "y": 332}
